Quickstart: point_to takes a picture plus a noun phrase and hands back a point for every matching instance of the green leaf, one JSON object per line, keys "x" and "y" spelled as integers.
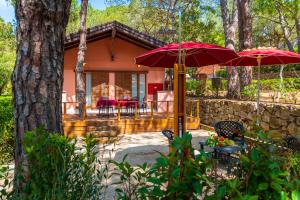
{"x": 276, "y": 187}
{"x": 283, "y": 195}
{"x": 197, "y": 187}
{"x": 296, "y": 195}
{"x": 263, "y": 186}
{"x": 254, "y": 155}
{"x": 162, "y": 161}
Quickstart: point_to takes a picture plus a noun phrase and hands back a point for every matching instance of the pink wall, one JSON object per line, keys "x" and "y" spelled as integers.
{"x": 98, "y": 57}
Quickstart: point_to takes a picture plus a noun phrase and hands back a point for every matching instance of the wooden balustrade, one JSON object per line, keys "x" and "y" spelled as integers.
{"x": 193, "y": 109}
{"x": 168, "y": 109}
{"x": 65, "y": 110}
{"x": 198, "y": 109}
{"x": 151, "y": 109}
{"x": 119, "y": 111}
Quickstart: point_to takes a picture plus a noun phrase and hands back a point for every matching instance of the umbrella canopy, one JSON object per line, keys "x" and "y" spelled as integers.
{"x": 194, "y": 55}
{"x": 263, "y": 57}
{"x": 268, "y": 56}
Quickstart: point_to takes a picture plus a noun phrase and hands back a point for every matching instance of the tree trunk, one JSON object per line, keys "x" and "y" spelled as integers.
{"x": 285, "y": 30}
{"x": 38, "y": 74}
{"x": 230, "y": 24}
{"x": 245, "y": 38}
{"x": 297, "y": 22}
{"x": 80, "y": 86}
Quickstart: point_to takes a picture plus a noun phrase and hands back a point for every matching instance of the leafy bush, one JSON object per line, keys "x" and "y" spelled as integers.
{"x": 290, "y": 86}
{"x": 57, "y": 169}
{"x": 222, "y": 73}
{"x": 276, "y": 69}
{"x": 196, "y": 87}
{"x": 180, "y": 175}
{"x": 264, "y": 173}
{"x": 249, "y": 92}
{"x": 6, "y": 130}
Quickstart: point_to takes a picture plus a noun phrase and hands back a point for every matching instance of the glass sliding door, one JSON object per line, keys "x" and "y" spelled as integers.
{"x": 142, "y": 88}
{"x": 134, "y": 86}
{"x": 88, "y": 89}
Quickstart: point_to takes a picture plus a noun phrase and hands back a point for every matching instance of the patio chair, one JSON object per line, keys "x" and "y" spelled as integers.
{"x": 144, "y": 105}
{"x": 232, "y": 130}
{"x": 293, "y": 143}
{"x": 101, "y": 105}
{"x": 168, "y": 134}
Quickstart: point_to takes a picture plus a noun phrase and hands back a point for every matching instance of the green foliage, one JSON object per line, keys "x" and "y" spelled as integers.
{"x": 95, "y": 16}
{"x": 7, "y": 55}
{"x": 222, "y": 73}
{"x": 271, "y": 85}
{"x": 249, "y": 92}
{"x": 264, "y": 173}
{"x": 180, "y": 175}
{"x": 4, "y": 182}
{"x": 196, "y": 87}
{"x": 57, "y": 169}
{"x": 6, "y": 130}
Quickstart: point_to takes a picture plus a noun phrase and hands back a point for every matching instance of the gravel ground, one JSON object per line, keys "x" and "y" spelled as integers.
{"x": 141, "y": 148}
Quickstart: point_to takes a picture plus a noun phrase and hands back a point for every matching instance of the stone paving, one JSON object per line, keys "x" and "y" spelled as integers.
{"x": 141, "y": 148}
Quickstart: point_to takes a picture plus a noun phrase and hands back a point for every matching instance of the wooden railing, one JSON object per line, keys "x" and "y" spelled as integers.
{"x": 193, "y": 109}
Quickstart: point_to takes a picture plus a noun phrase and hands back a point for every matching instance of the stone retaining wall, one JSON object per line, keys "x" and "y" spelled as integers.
{"x": 282, "y": 119}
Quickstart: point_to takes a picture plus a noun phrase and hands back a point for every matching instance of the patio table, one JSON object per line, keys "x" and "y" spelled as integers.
{"x": 128, "y": 104}
{"x": 224, "y": 153}
{"x": 106, "y": 104}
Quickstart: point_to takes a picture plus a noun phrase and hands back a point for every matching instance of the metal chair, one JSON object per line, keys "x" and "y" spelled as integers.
{"x": 168, "y": 134}
{"x": 232, "y": 130}
{"x": 293, "y": 143}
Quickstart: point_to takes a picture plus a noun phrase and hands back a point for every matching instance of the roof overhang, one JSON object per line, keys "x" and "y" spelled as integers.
{"x": 118, "y": 30}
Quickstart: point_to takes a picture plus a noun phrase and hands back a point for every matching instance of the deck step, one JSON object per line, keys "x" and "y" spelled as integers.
{"x": 98, "y": 134}
{"x": 104, "y": 134}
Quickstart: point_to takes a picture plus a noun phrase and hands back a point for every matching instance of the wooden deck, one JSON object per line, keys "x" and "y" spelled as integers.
{"x": 118, "y": 121}
{"x": 110, "y": 127}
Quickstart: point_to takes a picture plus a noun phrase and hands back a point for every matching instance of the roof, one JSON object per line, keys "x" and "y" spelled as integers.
{"x": 114, "y": 29}
{"x": 208, "y": 70}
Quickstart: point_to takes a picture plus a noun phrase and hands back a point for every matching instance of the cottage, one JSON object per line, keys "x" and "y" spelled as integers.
{"x": 110, "y": 70}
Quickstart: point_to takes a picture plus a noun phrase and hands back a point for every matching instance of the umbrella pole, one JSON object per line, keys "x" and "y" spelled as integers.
{"x": 258, "y": 91}
{"x": 179, "y": 100}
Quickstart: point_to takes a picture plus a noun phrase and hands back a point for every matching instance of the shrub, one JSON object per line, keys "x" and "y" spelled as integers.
{"x": 57, "y": 169}
{"x": 222, "y": 73}
{"x": 196, "y": 87}
{"x": 180, "y": 175}
{"x": 290, "y": 87}
{"x": 264, "y": 173}
{"x": 6, "y": 130}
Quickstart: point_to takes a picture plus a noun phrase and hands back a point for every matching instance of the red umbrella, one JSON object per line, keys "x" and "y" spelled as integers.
{"x": 194, "y": 55}
{"x": 267, "y": 56}
{"x": 191, "y": 54}
{"x": 263, "y": 57}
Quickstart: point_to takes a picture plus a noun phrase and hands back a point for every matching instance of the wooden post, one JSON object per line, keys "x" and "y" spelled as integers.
{"x": 179, "y": 100}
{"x": 65, "y": 110}
{"x": 119, "y": 111}
{"x": 175, "y": 104}
{"x": 198, "y": 109}
{"x": 84, "y": 111}
{"x": 136, "y": 111}
{"x": 191, "y": 109}
{"x": 151, "y": 110}
{"x": 167, "y": 109}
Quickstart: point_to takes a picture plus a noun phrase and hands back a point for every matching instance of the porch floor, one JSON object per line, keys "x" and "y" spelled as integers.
{"x": 111, "y": 126}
